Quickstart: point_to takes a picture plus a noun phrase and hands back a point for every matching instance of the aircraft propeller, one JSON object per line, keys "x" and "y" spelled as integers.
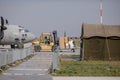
{"x": 2, "y": 28}
{"x": 6, "y": 21}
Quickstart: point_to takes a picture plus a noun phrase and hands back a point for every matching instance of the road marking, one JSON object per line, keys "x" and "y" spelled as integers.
{"x": 40, "y": 74}
{"x": 30, "y": 69}
{"x": 20, "y": 74}
{"x": 27, "y": 74}
{"x": 7, "y": 74}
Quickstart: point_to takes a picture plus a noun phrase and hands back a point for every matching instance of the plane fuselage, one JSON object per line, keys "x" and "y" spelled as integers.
{"x": 16, "y": 33}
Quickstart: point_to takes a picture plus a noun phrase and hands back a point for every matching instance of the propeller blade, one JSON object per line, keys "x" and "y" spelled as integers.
{"x": 2, "y": 21}
{"x": 6, "y": 21}
{"x": 2, "y": 28}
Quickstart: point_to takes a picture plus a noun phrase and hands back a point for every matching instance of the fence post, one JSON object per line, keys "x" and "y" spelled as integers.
{"x": 55, "y": 60}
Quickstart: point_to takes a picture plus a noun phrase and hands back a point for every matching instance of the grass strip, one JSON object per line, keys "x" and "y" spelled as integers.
{"x": 88, "y": 68}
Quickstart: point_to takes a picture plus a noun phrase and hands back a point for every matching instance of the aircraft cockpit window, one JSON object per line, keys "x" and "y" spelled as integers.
{"x": 21, "y": 30}
{"x": 22, "y": 35}
{"x": 26, "y": 35}
{"x": 20, "y": 26}
{"x": 26, "y": 30}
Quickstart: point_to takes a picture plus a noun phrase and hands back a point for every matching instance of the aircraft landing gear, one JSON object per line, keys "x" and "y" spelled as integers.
{"x": 17, "y": 45}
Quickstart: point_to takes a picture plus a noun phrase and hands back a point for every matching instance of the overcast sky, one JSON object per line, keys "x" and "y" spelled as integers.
{"x": 62, "y": 15}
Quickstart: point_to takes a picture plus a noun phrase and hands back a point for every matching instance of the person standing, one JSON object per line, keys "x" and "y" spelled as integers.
{"x": 71, "y": 44}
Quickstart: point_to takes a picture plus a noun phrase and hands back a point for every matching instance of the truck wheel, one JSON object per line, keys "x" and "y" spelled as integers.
{"x": 53, "y": 49}
{"x": 37, "y": 48}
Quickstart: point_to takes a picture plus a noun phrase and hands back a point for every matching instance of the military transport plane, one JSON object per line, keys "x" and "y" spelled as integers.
{"x": 14, "y": 35}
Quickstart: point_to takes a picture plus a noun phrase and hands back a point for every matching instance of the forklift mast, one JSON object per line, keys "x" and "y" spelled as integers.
{"x": 55, "y": 37}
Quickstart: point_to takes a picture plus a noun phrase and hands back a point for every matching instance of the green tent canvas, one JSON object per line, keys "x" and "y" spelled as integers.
{"x": 100, "y": 42}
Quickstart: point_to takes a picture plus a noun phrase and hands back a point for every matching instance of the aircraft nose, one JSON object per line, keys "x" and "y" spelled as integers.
{"x": 29, "y": 37}
{"x": 32, "y": 37}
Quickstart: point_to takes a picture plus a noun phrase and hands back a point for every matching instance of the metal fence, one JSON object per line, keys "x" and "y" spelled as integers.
{"x": 8, "y": 56}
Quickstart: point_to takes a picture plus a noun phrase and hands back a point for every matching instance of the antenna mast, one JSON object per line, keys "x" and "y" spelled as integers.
{"x": 101, "y": 19}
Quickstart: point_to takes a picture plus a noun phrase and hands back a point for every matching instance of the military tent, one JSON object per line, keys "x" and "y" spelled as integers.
{"x": 100, "y": 42}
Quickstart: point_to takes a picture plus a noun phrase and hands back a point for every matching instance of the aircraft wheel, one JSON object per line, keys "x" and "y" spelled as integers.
{"x": 12, "y": 46}
{"x": 17, "y": 45}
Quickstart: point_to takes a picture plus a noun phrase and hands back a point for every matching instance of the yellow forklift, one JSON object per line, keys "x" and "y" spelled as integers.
{"x": 46, "y": 42}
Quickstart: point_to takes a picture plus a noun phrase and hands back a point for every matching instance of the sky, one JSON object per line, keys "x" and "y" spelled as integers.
{"x": 62, "y": 15}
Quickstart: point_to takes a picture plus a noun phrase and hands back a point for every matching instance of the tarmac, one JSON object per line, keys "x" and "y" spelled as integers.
{"x": 85, "y": 78}
{"x": 37, "y": 68}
